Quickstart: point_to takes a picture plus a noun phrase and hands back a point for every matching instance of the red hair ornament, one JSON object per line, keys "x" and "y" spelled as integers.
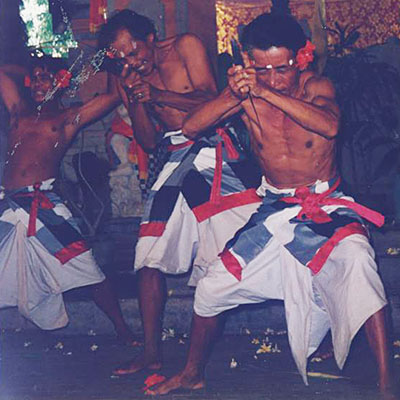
{"x": 27, "y": 81}
{"x": 63, "y": 78}
{"x": 305, "y": 56}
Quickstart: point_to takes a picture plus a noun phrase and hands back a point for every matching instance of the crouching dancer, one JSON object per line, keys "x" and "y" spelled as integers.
{"x": 205, "y": 191}
{"x": 42, "y": 252}
{"x": 306, "y": 244}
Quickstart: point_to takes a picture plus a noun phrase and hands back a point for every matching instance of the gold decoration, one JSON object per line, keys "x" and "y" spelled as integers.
{"x": 377, "y": 20}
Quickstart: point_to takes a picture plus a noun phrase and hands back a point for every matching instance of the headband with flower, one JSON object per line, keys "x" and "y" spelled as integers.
{"x": 62, "y": 79}
{"x": 305, "y": 56}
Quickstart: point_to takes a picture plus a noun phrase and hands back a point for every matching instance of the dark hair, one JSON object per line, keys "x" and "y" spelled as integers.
{"x": 138, "y": 26}
{"x": 49, "y": 63}
{"x": 269, "y": 30}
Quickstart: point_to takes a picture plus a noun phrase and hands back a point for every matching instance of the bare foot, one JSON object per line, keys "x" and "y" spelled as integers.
{"x": 181, "y": 380}
{"x": 125, "y": 336}
{"x": 137, "y": 364}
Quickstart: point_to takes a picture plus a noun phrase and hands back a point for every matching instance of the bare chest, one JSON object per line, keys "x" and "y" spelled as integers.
{"x": 33, "y": 133}
{"x": 171, "y": 73}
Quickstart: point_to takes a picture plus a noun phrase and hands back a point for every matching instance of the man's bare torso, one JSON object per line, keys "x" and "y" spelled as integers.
{"x": 170, "y": 74}
{"x": 36, "y": 146}
{"x": 290, "y": 155}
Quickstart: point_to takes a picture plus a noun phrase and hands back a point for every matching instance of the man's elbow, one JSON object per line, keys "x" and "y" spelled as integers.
{"x": 333, "y": 129}
{"x": 189, "y": 130}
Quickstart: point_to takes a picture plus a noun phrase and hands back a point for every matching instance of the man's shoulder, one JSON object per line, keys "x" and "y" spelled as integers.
{"x": 70, "y": 115}
{"x": 312, "y": 82}
{"x": 188, "y": 41}
{"x": 184, "y": 45}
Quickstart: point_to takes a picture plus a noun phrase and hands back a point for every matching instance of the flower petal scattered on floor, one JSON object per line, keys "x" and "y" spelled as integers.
{"x": 27, "y": 344}
{"x": 397, "y": 356}
{"x": 91, "y": 332}
{"x": 181, "y": 341}
{"x": 264, "y": 348}
{"x": 167, "y": 333}
{"x": 59, "y": 346}
{"x": 170, "y": 292}
{"x": 153, "y": 380}
{"x": 94, "y": 347}
{"x": 275, "y": 349}
{"x": 316, "y": 360}
{"x": 396, "y": 343}
{"x": 255, "y": 341}
{"x": 393, "y": 251}
{"x": 233, "y": 363}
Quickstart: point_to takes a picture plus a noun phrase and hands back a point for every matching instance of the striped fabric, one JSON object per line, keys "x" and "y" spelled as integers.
{"x": 60, "y": 236}
{"x": 309, "y": 238}
{"x": 211, "y": 173}
{"x": 42, "y": 255}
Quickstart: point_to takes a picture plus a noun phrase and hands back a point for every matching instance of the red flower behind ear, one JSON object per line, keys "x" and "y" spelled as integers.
{"x": 27, "y": 81}
{"x": 305, "y": 56}
{"x": 63, "y": 78}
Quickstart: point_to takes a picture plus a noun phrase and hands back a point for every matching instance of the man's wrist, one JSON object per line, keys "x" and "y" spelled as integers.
{"x": 155, "y": 94}
{"x": 230, "y": 97}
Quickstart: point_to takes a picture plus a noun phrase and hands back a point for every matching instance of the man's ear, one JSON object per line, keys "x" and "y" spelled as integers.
{"x": 150, "y": 39}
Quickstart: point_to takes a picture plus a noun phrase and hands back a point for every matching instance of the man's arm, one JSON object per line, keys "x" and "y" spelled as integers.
{"x": 9, "y": 90}
{"x": 317, "y": 111}
{"x": 143, "y": 127}
{"x": 94, "y": 108}
{"x": 211, "y": 113}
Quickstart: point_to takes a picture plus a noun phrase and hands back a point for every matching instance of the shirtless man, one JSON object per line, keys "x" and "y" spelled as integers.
{"x": 42, "y": 251}
{"x": 162, "y": 82}
{"x": 300, "y": 245}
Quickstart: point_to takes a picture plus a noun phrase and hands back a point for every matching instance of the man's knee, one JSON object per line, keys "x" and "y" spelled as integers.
{"x": 209, "y": 302}
{"x": 146, "y": 274}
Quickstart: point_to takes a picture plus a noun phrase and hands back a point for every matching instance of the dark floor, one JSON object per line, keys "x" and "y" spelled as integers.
{"x": 39, "y": 365}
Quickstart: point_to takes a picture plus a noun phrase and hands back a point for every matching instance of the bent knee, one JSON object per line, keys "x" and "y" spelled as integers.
{"x": 209, "y": 302}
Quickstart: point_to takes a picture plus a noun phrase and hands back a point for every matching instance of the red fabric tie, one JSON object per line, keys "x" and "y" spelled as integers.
{"x": 311, "y": 204}
{"x": 39, "y": 200}
{"x": 230, "y": 148}
{"x": 215, "y": 196}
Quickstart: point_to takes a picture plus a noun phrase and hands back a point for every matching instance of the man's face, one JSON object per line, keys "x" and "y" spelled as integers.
{"x": 137, "y": 53}
{"x": 42, "y": 81}
{"x": 275, "y": 68}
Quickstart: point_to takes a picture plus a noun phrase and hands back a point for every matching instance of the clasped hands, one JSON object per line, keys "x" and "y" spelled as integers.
{"x": 242, "y": 81}
{"x": 136, "y": 88}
